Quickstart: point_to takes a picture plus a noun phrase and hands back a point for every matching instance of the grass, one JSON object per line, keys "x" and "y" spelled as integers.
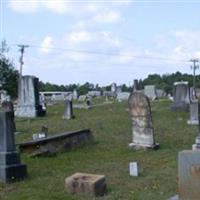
{"x": 111, "y": 127}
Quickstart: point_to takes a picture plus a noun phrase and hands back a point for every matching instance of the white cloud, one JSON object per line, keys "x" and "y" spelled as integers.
{"x": 107, "y": 17}
{"x": 47, "y": 45}
{"x": 65, "y": 6}
{"x": 24, "y": 6}
{"x": 80, "y": 37}
{"x": 58, "y": 6}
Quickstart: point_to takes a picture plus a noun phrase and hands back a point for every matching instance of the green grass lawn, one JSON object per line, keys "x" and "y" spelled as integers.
{"x": 111, "y": 127}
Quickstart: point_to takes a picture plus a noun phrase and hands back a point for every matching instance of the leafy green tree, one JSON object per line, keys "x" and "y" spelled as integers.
{"x": 8, "y": 75}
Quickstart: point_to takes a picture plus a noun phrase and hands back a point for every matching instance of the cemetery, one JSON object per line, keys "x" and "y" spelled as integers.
{"x": 99, "y": 100}
{"x": 104, "y": 152}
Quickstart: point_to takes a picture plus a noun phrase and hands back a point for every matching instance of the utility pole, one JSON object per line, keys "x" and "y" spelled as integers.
{"x": 22, "y": 48}
{"x": 194, "y": 67}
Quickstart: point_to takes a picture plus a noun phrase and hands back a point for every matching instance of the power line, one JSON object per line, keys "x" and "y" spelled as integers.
{"x": 108, "y": 53}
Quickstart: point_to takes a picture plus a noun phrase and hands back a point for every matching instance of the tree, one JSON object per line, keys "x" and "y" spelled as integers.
{"x": 8, "y": 75}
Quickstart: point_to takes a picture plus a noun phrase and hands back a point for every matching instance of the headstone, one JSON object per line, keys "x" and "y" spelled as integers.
{"x": 28, "y": 98}
{"x": 150, "y": 91}
{"x": 160, "y": 93}
{"x": 42, "y": 101}
{"x": 11, "y": 168}
{"x": 113, "y": 87}
{"x": 181, "y": 96}
{"x": 94, "y": 93}
{"x": 135, "y": 85}
{"x": 89, "y": 185}
{"x": 68, "y": 114}
{"x": 75, "y": 94}
{"x": 133, "y": 168}
{"x": 82, "y": 98}
{"x": 88, "y": 101}
{"x": 123, "y": 96}
{"x": 142, "y": 125}
{"x": 194, "y": 119}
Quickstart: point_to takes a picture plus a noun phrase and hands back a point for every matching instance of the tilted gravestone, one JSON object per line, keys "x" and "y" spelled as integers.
{"x": 28, "y": 98}
{"x": 11, "y": 168}
{"x": 181, "y": 96}
{"x": 142, "y": 127}
{"x": 68, "y": 114}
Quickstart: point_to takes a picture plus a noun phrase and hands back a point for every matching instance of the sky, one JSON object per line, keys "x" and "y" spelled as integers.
{"x": 78, "y": 41}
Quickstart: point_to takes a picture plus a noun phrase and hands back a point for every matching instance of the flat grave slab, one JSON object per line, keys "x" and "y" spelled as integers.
{"x": 57, "y": 143}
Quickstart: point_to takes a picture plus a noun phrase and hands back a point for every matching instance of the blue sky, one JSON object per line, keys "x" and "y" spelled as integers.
{"x": 101, "y": 41}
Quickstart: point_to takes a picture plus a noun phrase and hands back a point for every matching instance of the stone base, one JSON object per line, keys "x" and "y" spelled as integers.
{"x": 193, "y": 122}
{"x": 143, "y": 147}
{"x": 10, "y": 167}
{"x": 29, "y": 111}
{"x": 91, "y": 185}
{"x": 69, "y": 117}
{"x": 11, "y": 173}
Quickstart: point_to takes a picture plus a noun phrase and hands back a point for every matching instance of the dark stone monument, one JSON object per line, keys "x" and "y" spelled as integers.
{"x": 181, "y": 96}
{"x": 135, "y": 85}
{"x": 68, "y": 114}
{"x": 11, "y": 168}
{"x": 28, "y": 98}
{"x": 142, "y": 128}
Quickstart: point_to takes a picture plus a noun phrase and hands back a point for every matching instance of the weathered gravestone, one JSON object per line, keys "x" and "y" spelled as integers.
{"x": 28, "y": 98}
{"x": 181, "y": 96}
{"x": 142, "y": 127}
{"x": 68, "y": 114}
{"x": 11, "y": 168}
{"x": 150, "y": 91}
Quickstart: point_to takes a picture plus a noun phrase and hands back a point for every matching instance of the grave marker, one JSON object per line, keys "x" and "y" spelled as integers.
{"x": 142, "y": 125}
